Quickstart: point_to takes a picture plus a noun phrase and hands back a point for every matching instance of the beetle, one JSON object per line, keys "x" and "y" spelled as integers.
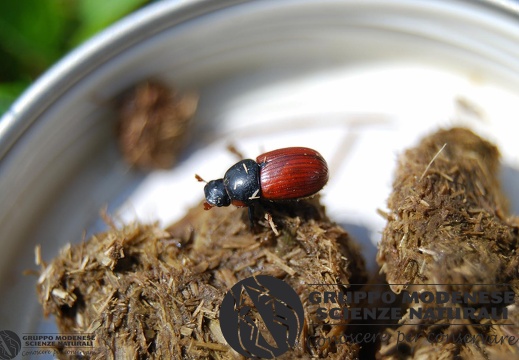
{"x": 284, "y": 174}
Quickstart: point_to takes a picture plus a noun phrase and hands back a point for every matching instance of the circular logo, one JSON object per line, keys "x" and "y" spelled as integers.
{"x": 261, "y": 317}
{"x": 10, "y": 345}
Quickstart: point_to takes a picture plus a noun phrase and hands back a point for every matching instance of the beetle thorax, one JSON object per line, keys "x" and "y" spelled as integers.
{"x": 242, "y": 184}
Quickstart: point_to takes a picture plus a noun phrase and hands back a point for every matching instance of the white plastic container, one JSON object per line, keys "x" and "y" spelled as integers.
{"x": 357, "y": 80}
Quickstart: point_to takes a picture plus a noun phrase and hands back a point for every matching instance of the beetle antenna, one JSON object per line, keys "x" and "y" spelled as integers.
{"x": 199, "y": 178}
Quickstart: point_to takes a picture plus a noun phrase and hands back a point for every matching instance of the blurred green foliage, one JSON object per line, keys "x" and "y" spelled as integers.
{"x": 36, "y": 33}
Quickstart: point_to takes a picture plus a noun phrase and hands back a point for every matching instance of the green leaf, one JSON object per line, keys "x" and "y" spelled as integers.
{"x": 36, "y": 33}
{"x": 32, "y": 32}
{"x": 9, "y": 92}
{"x": 95, "y": 15}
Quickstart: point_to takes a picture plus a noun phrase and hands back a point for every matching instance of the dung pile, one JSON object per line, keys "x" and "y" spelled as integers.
{"x": 148, "y": 292}
{"x": 448, "y": 230}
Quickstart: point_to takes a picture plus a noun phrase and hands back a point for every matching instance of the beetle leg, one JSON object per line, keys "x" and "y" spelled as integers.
{"x": 251, "y": 216}
{"x": 233, "y": 150}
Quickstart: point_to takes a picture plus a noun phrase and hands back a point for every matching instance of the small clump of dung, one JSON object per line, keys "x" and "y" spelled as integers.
{"x": 154, "y": 123}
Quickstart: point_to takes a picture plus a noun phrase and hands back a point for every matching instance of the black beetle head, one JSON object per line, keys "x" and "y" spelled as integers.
{"x": 215, "y": 193}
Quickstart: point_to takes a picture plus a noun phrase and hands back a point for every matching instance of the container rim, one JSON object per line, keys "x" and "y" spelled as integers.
{"x": 132, "y": 29}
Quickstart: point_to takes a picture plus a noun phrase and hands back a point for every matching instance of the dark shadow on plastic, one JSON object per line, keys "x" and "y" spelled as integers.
{"x": 510, "y": 181}
{"x": 362, "y": 236}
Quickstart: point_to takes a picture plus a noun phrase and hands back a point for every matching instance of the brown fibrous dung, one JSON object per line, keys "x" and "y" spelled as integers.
{"x": 151, "y": 292}
{"x": 154, "y": 124}
{"x": 449, "y": 230}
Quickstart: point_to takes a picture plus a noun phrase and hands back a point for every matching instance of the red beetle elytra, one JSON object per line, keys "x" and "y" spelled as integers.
{"x": 283, "y": 174}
